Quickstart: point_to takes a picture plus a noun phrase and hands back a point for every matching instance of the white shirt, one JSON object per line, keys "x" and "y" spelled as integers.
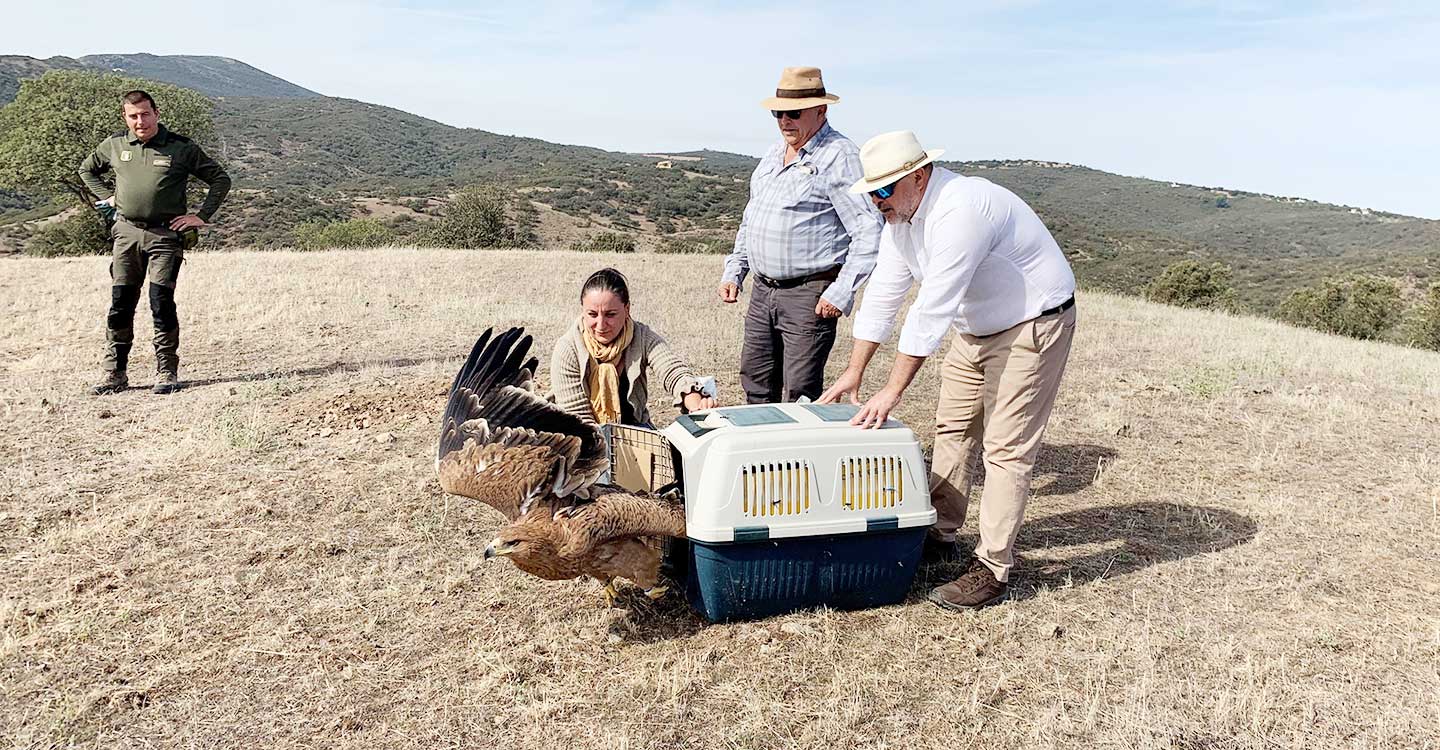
{"x": 984, "y": 260}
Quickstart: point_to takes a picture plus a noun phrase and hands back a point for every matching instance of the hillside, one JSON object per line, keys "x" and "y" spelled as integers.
{"x": 1120, "y": 231}
{"x": 16, "y": 68}
{"x": 1231, "y": 543}
{"x": 299, "y": 156}
{"x": 208, "y": 74}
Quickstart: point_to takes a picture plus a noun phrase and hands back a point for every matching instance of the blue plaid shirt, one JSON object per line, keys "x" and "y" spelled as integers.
{"x": 802, "y": 219}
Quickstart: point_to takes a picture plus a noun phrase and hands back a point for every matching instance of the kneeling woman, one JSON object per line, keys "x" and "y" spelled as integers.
{"x": 598, "y": 370}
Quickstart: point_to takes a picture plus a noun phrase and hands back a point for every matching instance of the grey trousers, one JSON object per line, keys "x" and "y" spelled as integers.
{"x": 786, "y": 343}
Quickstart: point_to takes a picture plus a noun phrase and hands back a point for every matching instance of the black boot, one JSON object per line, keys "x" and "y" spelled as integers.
{"x": 167, "y": 339}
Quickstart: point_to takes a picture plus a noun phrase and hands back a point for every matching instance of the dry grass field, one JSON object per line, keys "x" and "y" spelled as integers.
{"x": 1234, "y": 540}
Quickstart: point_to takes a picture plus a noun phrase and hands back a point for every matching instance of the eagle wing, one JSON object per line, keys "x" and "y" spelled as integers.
{"x": 615, "y": 516}
{"x": 504, "y": 445}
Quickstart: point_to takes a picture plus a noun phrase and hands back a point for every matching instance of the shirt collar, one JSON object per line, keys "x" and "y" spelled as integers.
{"x": 816, "y": 141}
{"x": 938, "y": 177}
{"x": 161, "y": 135}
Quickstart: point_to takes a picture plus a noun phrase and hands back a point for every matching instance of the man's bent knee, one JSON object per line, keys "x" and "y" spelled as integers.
{"x": 123, "y": 299}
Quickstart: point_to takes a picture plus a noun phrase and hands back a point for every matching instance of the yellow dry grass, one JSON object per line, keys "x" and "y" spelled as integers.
{"x": 1232, "y": 544}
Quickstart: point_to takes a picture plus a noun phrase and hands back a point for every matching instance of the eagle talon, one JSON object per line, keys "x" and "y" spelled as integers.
{"x": 566, "y": 512}
{"x": 610, "y": 593}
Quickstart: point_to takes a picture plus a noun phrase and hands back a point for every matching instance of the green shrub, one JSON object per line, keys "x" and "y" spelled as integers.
{"x": 1190, "y": 283}
{"x": 320, "y": 235}
{"x": 1362, "y": 307}
{"x": 82, "y": 233}
{"x": 695, "y": 245}
{"x": 475, "y": 218}
{"x": 1425, "y": 328}
{"x": 605, "y": 242}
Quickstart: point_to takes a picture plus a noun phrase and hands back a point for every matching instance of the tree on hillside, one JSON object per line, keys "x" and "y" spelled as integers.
{"x": 1426, "y": 333}
{"x": 1190, "y": 283}
{"x": 477, "y": 218}
{"x": 57, "y": 120}
{"x": 1362, "y": 307}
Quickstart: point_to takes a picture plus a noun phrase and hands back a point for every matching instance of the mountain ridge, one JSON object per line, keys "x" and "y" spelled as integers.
{"x": 322, "y": 158}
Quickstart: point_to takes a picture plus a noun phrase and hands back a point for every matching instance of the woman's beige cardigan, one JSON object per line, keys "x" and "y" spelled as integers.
{"x": 570, "y": 363}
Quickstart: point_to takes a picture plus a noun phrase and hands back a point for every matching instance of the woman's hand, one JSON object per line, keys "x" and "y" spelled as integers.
{"x": 699, "y": 402}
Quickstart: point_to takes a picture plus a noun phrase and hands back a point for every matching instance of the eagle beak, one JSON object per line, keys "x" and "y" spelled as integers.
{"x": 497, "y": 548}
{"x": 489, "y": 550}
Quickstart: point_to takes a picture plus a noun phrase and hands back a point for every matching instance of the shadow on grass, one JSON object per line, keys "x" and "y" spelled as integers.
{"x": 1067, "y": 469}
{"x": 1130, "y": 537}
{"x": 315, "y": 372}
{"x": 647, "y": 621}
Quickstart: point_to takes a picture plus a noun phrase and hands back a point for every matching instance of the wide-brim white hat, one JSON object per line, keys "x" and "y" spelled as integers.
{"x": 889, "y": 156}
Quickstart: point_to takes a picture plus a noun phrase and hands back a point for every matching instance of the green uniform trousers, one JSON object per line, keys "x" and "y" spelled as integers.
{"x": 142, "y": 253}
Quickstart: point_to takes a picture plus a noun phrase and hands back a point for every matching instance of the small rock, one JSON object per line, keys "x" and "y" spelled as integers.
{"x": 385, "y": 437}
{"x": 105, "y": 414}
{"x": 1051, "y": 630}
{"x": 614, "y": 638}
{"x": 796, "y": 628}
{"x": 327, "y": 432}
{"x": 758, "y": 634}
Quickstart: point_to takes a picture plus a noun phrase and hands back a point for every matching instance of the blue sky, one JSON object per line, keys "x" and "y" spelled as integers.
{"x": 1332, "y": 101}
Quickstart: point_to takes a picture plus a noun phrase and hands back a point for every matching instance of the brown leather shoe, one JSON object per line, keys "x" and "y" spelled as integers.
{"x": 977, "y": 588}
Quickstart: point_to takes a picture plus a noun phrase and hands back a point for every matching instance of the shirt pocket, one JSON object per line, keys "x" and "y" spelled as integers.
{"x": 802, "y": 191}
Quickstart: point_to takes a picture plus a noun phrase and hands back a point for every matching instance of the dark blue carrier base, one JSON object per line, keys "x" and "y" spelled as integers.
{"x": 748, "y": 580}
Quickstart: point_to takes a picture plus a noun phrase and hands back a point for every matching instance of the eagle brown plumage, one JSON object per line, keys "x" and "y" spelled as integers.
{"x": 506, "y": 446}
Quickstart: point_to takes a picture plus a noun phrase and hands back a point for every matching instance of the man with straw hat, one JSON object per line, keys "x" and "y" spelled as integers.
{"x": 988, "y": 267}
{"x": 809, "y": 242}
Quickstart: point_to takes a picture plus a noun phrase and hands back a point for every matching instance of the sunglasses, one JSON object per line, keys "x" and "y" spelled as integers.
{"x": 885, "y": 192}
{"x": 793, "y": 114}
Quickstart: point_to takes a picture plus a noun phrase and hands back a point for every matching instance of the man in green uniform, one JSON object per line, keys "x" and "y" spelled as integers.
{"x": 152, "y": 229}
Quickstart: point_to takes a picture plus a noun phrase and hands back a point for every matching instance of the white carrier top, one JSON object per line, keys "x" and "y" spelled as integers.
{"x": 773, "y": 471}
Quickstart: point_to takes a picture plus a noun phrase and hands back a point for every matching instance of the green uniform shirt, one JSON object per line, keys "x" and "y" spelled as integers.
{"x": 150, "y": 177}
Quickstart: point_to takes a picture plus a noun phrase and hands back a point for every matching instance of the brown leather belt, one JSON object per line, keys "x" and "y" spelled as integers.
{"x": 829, "y": 274}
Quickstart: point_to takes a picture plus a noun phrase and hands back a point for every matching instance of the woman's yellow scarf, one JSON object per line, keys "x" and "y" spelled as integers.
{"x": 602, "y": 384}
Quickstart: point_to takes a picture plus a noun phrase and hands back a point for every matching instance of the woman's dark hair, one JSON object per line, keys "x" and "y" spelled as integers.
{"x": 607, "y": 280}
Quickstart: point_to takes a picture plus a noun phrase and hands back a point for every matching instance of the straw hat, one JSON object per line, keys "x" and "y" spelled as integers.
{"x": 889, "y": 156}
{"x": 799, "y": 88}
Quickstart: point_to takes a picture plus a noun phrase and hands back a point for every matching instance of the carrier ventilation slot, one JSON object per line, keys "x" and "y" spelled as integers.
{"x": 780, "y": 488}
{"x": 872, "y": 482}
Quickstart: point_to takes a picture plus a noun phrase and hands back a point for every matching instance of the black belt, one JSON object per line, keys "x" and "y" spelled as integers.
{"x": 829, "y": 274}
{"x": 1062, "y": 307}
{"x": 162, "y": 224}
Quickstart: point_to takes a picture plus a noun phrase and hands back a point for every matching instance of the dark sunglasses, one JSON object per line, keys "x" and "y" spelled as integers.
{"x": 793, "y": 114}
{"x": 885, "y": 192}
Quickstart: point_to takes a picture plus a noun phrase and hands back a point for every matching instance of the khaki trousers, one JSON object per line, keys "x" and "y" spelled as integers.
{"x": 996, "y": 394}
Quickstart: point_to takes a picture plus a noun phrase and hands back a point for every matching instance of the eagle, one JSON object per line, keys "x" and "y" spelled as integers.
{"x": 508, "y": 447}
